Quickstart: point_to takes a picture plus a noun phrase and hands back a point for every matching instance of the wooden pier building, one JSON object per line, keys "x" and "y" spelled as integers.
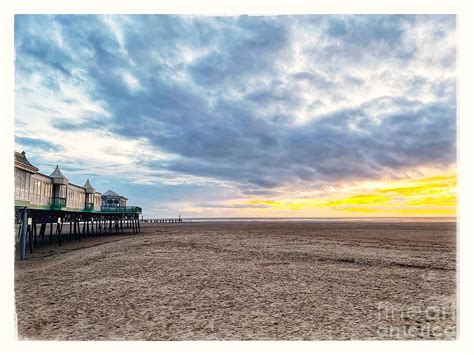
{"x": 52, "y": 200}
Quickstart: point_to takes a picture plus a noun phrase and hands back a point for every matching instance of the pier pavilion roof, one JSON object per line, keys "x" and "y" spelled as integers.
{"x": 22, "y": 163}
{"x": 110, "y": 193}
{"x": 88, "y": 187}
{"x": 58, "y": 177}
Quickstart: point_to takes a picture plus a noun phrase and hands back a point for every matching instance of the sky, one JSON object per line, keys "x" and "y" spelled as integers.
{"x": 245, "y": 116}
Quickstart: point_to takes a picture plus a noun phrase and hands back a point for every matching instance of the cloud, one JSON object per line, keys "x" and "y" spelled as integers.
{"x": 261, "y": 104}
{"x": 247, "y": 46}
{"x": 37, "y": 144}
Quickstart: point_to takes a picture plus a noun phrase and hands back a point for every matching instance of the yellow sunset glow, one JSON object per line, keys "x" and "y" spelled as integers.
{"x": 429, "y": 196}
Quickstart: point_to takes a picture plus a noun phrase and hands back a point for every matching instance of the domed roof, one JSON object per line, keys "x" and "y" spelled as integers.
{"x": 58, "y": 177}
{"x": 57, "y": 173}
{"x": 110, "y": 193}
{"x": 87, "y": 185}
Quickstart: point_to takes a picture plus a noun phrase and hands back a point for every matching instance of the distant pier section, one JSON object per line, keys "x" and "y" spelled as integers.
{"x": 163, "y": 220}
{"x": 52, "y": 201}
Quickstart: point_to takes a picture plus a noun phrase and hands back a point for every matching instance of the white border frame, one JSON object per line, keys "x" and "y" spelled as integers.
{"x": 463, "y": 10}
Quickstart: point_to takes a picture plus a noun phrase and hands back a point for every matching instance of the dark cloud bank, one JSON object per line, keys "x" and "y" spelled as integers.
{"x": 229, "y": 112}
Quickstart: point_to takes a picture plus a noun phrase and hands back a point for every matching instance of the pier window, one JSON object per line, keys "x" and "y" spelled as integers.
{"x": 97, "y": 202}
{"x": 75, "y": 198}
{"x": 22, "y": 184}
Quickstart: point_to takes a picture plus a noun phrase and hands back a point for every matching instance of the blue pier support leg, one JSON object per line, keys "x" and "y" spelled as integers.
{"x": 24, "y": 227}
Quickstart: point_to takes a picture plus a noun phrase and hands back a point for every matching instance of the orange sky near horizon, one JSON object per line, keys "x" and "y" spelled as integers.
{"x": 433, "y": 196}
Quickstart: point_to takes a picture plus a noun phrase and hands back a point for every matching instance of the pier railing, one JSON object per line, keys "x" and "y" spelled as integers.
{"x": 58, "y": 202}
{"x": 125, "y": 209}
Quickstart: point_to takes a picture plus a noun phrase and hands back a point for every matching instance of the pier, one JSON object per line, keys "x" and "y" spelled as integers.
{"x": 162, "y": 220}
{"x": 46, "y": 204}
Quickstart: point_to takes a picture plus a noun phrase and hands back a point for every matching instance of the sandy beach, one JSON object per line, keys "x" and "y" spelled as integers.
{"x": 244, "y": 281}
